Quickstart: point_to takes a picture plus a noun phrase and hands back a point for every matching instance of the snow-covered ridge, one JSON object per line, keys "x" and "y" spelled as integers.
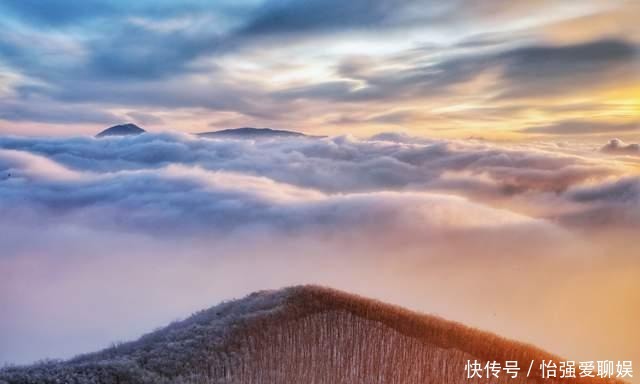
{"x": 293, "y": 335}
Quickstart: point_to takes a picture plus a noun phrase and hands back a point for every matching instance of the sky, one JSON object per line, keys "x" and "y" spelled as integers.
{"x": 509, "y": 70}
{"x": 478, "y": 162}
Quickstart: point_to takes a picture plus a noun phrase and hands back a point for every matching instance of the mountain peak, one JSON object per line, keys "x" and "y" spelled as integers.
{"x": 121, "y": 130}
{"x": 295, "y": 335}
{"x": 250, "y": 132}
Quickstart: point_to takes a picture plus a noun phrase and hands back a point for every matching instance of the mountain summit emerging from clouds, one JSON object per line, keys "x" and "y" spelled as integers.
{"x": 303, "y": 334}
{"x": 121, "y": 130}
{"x": 249, "y": 132}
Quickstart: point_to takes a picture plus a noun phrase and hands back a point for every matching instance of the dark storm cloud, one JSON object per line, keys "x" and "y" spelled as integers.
{"x": 133, "y": 52}
{"x": 168, "y": 93}
{"x": 124, "y": 54}
{"x": 300, "y": 17}
{"x": 621, "y": 191}
{"x": 559, "y": 61}
{"x": 617, "y": 146}
{"x": 277, "y": 17}
{"x": 119, "y": 49}
{"x": 579, "y": 127}
{"x": 269, "y": 16}
{"x": 607, "y": 205}
{"x": 132, "y": 66}
{"x": 529, "y": 71}
{"x": 115, "y": 40}
{"x": 540, "y": 70}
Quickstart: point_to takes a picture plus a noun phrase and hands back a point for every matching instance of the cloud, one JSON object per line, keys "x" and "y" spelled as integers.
{"x": 134, "y": 52}
{"x": 617, "y": 146}
{"x": 524, "y": 71}
{"x": 277, "y": 17}
{"x": 116, "y": 56}
{"x": 48, "y": 112}
{"x": 19, "y": 164}
{"x": 615, "y": 204}
{"x": 332, "y": 165}
{"x": 210, "y": 185}
{"x": 626, "y": 190}
{"x": 135, "y": 231}
{"x": 145, "y": 118}
{"x": 540, "y": 70}
{"x": 580, "y": 127}
{"x": 133, "y": 42}
{"x": 129, "y": 233}
{"x": 292, "y": 185}
{"x": 58, "y": 12}
{"x": 215, "y": 204}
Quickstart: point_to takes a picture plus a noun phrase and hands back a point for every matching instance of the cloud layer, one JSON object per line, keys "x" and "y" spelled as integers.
{"x": 107, "y": 238}
{"x": 617, "y": 146}
{"x": 288, "y": 183}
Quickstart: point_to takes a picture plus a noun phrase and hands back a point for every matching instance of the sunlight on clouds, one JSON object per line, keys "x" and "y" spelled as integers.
{"x": 504, "y": 191}
{"x": 418, "y": 216}
{"x": 487, "y": 79}
{"x": 259, "y": 186}
{"x": 617, "y": 19}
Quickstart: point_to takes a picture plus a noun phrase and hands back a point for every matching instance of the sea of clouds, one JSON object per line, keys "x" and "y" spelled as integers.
{"x": 104, "y": 239}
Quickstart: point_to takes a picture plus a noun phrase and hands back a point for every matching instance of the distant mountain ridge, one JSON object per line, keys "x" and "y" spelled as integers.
{"x": 130, "y": 129}
{"x": 251, "y": 132}
{"x": 303, "y": 334}
{"x": 121, "y": 130}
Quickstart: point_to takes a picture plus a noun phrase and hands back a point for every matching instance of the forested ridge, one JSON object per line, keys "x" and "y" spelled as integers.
{"x": 303, "y": 334}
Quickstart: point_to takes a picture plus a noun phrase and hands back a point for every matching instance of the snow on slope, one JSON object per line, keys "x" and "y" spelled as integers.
{"x": 302, "y": 334}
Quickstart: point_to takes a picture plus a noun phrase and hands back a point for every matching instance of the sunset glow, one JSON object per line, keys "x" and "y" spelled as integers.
{"x": 475, "y": 160}
{"x": 499, "y": 70}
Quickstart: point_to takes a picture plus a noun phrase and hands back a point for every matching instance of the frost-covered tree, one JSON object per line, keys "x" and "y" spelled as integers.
{"x": 297, "y": 335}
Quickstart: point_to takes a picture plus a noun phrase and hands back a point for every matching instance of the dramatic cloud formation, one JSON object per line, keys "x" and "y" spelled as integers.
{"x": 134, "y": 231}
{"x": 359, "y": 66}
{"x": 618, "y": 146}
{"x": 337, "y": 164}
{"x": 462, "y": 210}
{"x": 205, "y": 201}
{"x": 622, "y": 191}
{"x": 214, "y": 184}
